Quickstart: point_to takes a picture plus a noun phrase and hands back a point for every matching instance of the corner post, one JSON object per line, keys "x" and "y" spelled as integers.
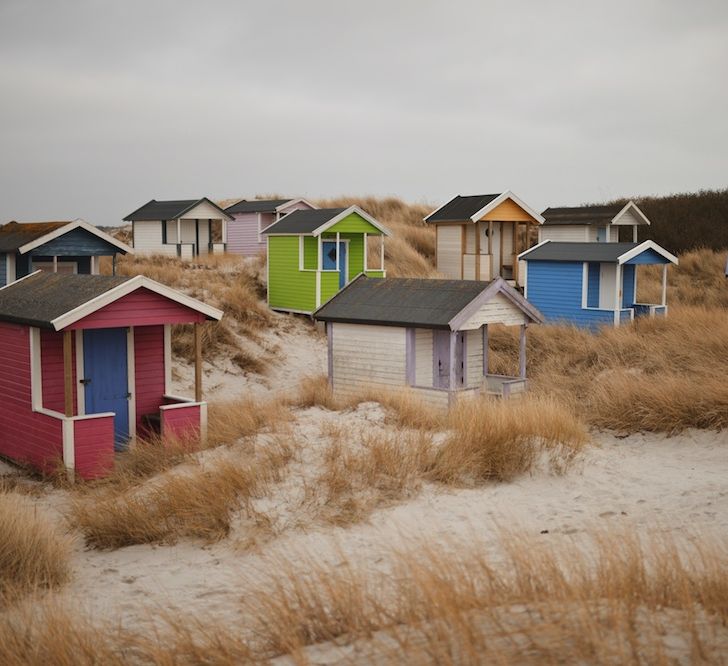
{"x": 330, "y": 351}
{"x": 68, "y": 373}
{"x": 664, "y": 284}
{"x": 198, "y": 362}
{"x": 485, "y": 350}
{"x": 522, "y": 352}
{"x": 453, "y": 343}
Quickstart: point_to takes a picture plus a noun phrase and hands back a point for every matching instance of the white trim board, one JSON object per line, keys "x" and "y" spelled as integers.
{"x": 137, "y": 282}
{"x": 76, "y": 224}
{"x": 643, "y": 247}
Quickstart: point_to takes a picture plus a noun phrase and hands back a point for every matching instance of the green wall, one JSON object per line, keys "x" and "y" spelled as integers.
{"x": 289, "y": 288}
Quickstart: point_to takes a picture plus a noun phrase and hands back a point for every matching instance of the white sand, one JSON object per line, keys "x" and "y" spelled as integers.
{"x": 649, "y": 481}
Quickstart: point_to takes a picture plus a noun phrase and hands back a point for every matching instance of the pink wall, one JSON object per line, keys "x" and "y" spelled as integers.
{"x": 94, "y": 446}
{"x": 242, "y": 231}
{"x": 140, "y": 308}
{"x": 149, "y": 353}
{"x": 51, "y": 352}
{"x": 181, "y": 421}
{"x": 25, "y": 436}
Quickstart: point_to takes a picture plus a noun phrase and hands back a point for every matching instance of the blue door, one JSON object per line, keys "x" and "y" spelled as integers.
{"x": 329, "y": 260}
{"x": 105, "y": 380}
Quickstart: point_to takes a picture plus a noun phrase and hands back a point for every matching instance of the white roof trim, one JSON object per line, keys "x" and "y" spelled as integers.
{"x": 642, "y": 247}
{"x": 72, "y": 316}
{"x": 14, "y": 282}
{"x": 345, "y": 213}
{"x": 524, "y": 253}
{"x": 76, "y": 224}
{"x": 291, "y": 202}
{"x": 424, "y": 219}
{"x": 630, "y": 205}
{"x": 500, "y": 199}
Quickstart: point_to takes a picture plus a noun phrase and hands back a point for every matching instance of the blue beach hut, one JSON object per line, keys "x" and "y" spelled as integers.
{"x": 592, "y": 284}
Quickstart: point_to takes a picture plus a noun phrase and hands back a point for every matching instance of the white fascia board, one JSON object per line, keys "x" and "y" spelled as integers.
{"x": 531, "y": 249}
{"x": 77, "y": 224}
{"x": 351, "y": 209}
{"x": 500, "y": 199}
{"x": 630, "y": 205}
{"x": 642, "y": 247}
{"x": 25, "y": 277}
{"x": 72, "y": 316}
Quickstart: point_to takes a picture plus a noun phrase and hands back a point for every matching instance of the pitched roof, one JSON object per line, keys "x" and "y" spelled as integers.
{"x": 461, "y": 208}
{"x": 257, "y": 206}
{"x": 618, "y": 253}
{"x": 16, "y": 234}
{"x": 413, "y": 302}
{"x": 167, "y": 210}
{"x": 582, "y": 214}
{"x": 26, "y": 236}
{"x": 314, "y": 222}
{"x": 43, "y": 299}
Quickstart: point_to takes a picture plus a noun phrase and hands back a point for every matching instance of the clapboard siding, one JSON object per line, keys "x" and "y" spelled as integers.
{"x": 423, "y": 357}
{"x": 498, "y": 310}
{"x": 203, "y": 235}
{"x": 25, "y": 435}
{"x": 147, "y": 238}
{"x": 75, "y": 243}
{"x": 93, "y": 443}
{"x": 474, "y": 355}
{"x": 242, "y": 235}
{"x": 289, "y": 288}
{"x": 630, "y": 218}
{"x": 139, "y": 308}
{"x": 555, "y": 289}
{"x": 149, "y": 370}
{"x": 52, "y": 371}
{"x": 572, "y": 233}
{"x": 508, "y": 211}
{"x": 368, "y": 356}
{"x": 203, "y": 211}
{"x": 628, "y": 285}
{"x": 449, "y": 251}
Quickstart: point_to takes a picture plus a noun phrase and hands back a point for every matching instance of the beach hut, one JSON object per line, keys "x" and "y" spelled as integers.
{"x": 184, "y": 228}
{"x": 480, "y": 236}
{"x": 72, "y": 246}
{"x": 591, "y": 284}
{"x": 312, "y": 254}
{"x": 250, "y": 218}
{"x": 430, "y": 336}
{"x": 87, "y": 367}
{"x": 598, "y": 224}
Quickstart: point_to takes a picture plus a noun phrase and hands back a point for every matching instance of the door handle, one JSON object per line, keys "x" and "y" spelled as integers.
{"x": 84, "y": 381}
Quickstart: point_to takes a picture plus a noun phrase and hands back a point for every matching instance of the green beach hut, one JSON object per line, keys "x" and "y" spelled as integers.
{"x": 312, "y": 254}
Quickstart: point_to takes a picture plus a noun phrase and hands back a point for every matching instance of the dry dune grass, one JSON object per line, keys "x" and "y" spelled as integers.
{"x": 34, "y": 554}
{"x": 656, "y": 374}
{"x": 529, "y": 600}
{"x": 499, "y": 440}
{"x": 194, "y": 501}
{"x": 451, "y": 603}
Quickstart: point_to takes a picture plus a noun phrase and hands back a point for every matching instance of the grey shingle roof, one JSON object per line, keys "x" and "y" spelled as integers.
{"x": 303, "y": 221}
{"x": 606, "y": 252}
{"x": 416, "y": 302}
{"x": 14, "y": 235}
{"x": 166, "y": 210}
{"x": 256, "y": 206}
{"x": 581, "y": 214}
{"x": 461, "y": 208}
{"x": 40, "y": 298}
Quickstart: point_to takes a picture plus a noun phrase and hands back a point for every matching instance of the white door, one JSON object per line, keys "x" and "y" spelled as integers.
{"x": 607, "y": 286}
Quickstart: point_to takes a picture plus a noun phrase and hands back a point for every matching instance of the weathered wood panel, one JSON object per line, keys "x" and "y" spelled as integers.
{"x": 449, "y": 250}
{"x": 498, "y": 310}
{"x": 474, "y": 363}
{"x": 423, "y": 357}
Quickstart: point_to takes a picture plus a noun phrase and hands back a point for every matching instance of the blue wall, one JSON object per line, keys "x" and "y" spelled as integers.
{"x": 3, "y": 269}
{"x": 648, "y": 257}
{"x": 628, "y": 279}
{"x": 75, "y": 243}
{"x": 554, "y": 287}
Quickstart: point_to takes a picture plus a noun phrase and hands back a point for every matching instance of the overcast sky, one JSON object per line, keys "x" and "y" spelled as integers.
{"x": 105, "y": 105}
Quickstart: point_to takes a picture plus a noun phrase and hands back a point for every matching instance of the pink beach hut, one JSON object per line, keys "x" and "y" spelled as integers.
{"x": 86, "y": 368}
